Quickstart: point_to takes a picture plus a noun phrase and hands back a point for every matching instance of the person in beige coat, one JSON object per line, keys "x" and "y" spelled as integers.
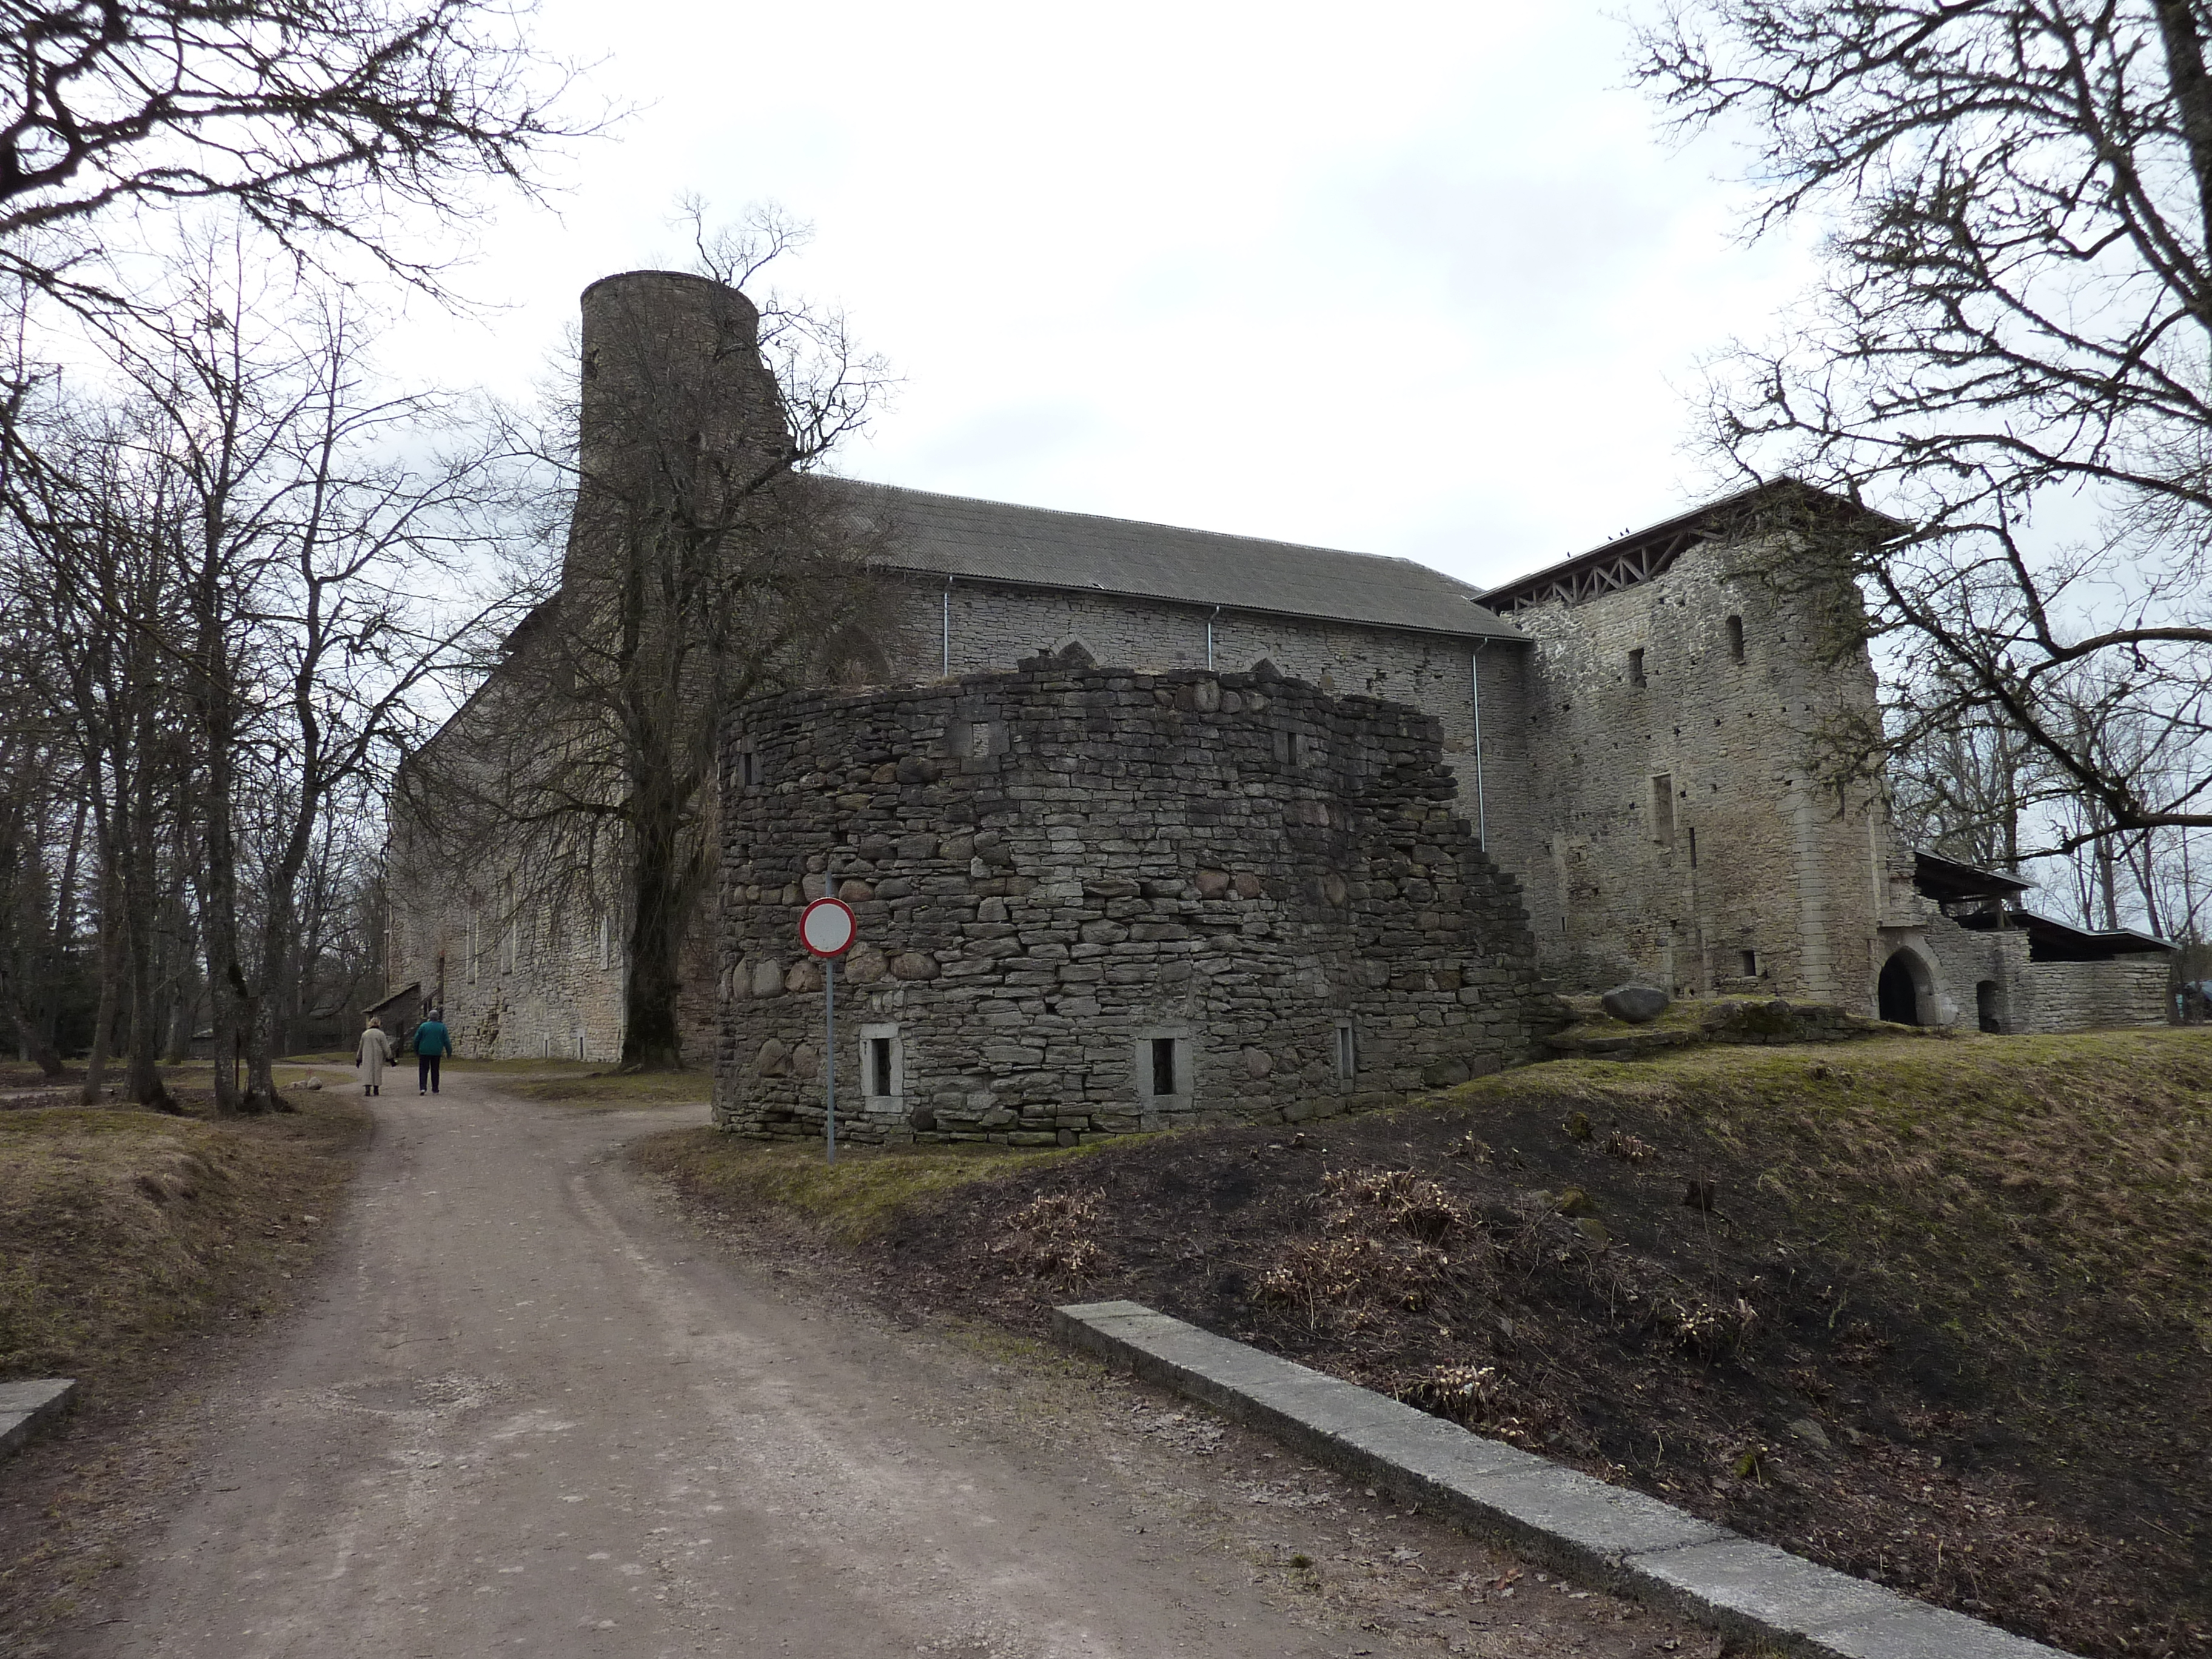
{"x": 375, "y": 1054}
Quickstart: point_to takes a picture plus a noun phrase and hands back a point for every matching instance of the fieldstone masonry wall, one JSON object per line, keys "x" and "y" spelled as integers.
{"x": 1094, "y": 900}
{"x": 994, "y": 625}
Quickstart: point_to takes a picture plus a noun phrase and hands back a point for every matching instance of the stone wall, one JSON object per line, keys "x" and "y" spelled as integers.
{"x": 996, "y": 625}
{"x": 519, "y": 978}
{"x": 2092, "y": 996}
{"x": 1669, "y": 728}
{"x": 2028, "y": 996}
{"x": 1059, "y": 868}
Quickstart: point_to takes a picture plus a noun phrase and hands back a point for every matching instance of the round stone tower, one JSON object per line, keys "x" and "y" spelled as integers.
{"x": 1094, "y": 901}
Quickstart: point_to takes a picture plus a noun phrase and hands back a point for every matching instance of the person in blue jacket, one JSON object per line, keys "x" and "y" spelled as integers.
{"x": 433, "y": 1043}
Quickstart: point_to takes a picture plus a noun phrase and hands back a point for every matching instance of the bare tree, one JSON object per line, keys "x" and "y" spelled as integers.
{"x": 90, "y": 563}
{"x": 310, "y": 120}
{"x": 704, "y": 565}
{"x": 2012, "y": 348}
{"x": 252, "y": 567}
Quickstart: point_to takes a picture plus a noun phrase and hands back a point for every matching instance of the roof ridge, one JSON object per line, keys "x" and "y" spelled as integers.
{"x": 1156, "y": 524}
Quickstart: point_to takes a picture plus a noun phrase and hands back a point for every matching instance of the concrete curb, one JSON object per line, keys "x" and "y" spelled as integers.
{"x": 1606, "y": 1534}
{"x": 26, "y": 1407}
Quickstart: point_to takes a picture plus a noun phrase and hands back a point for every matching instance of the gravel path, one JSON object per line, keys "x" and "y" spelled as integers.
{"x": 532, "y": 1409}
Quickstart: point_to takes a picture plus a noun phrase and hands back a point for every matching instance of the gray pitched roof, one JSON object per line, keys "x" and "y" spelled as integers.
{"x": 1038, "y": 547}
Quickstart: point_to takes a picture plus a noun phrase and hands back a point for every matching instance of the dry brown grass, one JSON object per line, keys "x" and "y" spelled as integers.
{"x": 1963, "y": 1175}
{"x": 869, "y": 1186}
{"x": 121, "y": 1230}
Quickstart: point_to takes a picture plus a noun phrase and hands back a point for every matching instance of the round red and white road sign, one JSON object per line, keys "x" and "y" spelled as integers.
{"x": 826, "y": 928}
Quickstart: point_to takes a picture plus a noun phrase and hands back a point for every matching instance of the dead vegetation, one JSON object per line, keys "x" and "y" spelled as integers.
{"x": 120, "y": 1229}
{"x": 1939, "y": 1317}
{"x": 128, "y": 1238}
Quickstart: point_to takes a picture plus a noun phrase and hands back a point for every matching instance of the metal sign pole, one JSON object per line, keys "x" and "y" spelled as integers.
{"x": 826, "y": 929}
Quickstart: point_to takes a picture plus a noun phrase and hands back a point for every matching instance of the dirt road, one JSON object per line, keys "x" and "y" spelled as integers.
{"x": 531, "y": 1411}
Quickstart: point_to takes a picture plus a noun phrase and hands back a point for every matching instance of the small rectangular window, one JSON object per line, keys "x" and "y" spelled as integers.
{"x": 1662, "y": 809}
{"x": 882, "y": 1066}
{"x": 1693, "y": 846}
{"x": 748, "y": 769}
{"x": 606, "y": 940}
{"x": 1735, "y": 639}
{"x": 1751, "y": 964}
{"x": 1347, "y": 1051}
{"x": 1636, "y": 666}
{"x": 1164, "y": 1065}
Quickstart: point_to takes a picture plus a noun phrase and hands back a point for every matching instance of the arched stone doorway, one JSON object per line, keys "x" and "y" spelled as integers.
{"x": 1903, "y": 990}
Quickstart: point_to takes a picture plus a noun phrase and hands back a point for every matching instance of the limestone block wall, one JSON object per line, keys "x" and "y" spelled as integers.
{"x": 518, "y": 980}
{"x": 1684, "y": 842}
{"x": 1967, "y": 958}
{"x": 996, "y": 625}
{"x": 2091, "y": 996}
{"x": 1096, "y": 900}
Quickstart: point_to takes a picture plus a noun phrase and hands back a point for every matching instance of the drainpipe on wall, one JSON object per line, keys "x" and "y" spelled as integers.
{"x": 1481, "y": 806}
{"x": 948, "y": 627}
{"x": 1209, "y": 638}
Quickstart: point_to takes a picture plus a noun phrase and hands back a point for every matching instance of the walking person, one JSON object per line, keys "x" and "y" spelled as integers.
{"x": 372, "y": 1056}
{"x": 433, "y": 1043}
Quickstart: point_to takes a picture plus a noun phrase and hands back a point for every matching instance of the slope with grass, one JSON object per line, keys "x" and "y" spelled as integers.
{"x": 1933, "y": 1312}
{"x": 127, "y": 1239}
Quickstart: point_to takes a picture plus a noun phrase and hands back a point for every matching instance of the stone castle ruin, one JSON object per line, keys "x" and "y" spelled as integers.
{"x": 1147, "y": 824}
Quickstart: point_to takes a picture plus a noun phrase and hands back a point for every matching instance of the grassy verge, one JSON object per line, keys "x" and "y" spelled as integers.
{"x": 1934, "y": 1312}
{"x": 867, "y": 1190}
{"x": 127, "y": 1240}
{"x": 121, "y": 1230}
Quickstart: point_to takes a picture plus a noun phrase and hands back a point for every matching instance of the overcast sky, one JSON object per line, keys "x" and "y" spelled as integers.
{"x": 1414, "y": 279}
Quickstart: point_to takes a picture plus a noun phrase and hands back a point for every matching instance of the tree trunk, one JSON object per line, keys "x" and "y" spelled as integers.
{"x": 111, "y": 964}
{"x": 651, "y": 1037}
{"x": 64, "y": 931}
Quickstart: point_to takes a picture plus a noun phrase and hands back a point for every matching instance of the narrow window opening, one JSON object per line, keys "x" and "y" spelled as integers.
{"x": 1662, "y": 809}
{"x": 748, "y": 769}
{"x": 1636, "y": 666}
{"x": 1164, "y": 1065}
{"x": 879, "y": 1066}
{"x": 1694, "y": 848}
{"x": 1735, "y": 639}
{"x": 606, "y": 940}
{"x": 1751, "y": 964}
{"x": 1347, "y": 1051}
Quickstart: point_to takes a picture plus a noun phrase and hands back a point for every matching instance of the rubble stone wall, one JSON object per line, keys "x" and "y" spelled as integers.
{"x": 1095, "y": 900}
{"x": 996, "y": 625}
